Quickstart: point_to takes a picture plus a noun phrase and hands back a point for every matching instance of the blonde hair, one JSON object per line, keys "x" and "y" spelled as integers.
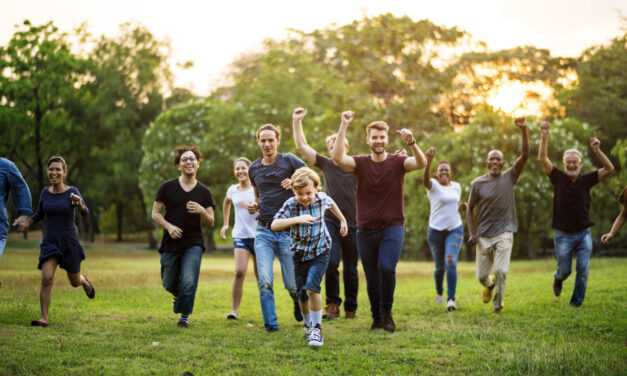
{"x": 379, "y": 125}
{"x": 334, "y": 137}
{"x": 573, "y": 151}
{"x": 303, "y": 176}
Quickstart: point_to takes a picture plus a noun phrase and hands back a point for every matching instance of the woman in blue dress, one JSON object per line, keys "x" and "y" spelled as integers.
{"x": 60, "y": 246}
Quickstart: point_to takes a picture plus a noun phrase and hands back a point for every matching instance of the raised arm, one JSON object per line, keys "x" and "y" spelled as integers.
{"x": 226, "y": 214}
{"x": 608, "y": 167}
{"x": 521, "y": 123}
{"x": 426, "y": 179}
{"x": 418, "y": 160}
{"x": 544, "y": 145}
{"x": 299, "y": 136}
{"x": 339, "y": 152}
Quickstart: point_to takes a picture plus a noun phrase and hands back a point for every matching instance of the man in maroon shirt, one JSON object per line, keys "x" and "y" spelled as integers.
{"x": 380, "y": 215}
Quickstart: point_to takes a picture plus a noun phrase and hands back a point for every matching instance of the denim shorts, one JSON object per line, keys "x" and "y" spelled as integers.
{"x": 246, "y": 243}
{"x": 309, "y": 273}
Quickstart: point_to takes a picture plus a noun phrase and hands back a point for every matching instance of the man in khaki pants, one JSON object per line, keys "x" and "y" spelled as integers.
{"x": 493, "y": 195}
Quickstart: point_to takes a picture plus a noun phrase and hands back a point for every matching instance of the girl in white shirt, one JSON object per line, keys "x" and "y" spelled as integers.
{"x": 243, "y": 233}
{"x": 446, "y": 232}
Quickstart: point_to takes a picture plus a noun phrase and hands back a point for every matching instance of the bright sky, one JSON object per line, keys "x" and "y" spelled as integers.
{"x": 213, "y": 33}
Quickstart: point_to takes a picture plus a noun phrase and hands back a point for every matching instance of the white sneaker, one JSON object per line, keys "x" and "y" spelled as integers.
{"x": 315, "y": 338}
{"x": 308, "y": 331}
{"x": 439, "y": 299}
{"x": 450, "y": 306}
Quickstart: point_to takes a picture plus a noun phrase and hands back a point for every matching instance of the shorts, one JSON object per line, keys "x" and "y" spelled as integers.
{"x": 309, "y": 274}
{"x": 247, "y": 244}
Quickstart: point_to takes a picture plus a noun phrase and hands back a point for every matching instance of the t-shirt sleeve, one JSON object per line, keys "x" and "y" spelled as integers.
{"x": 162, "y": 194}
{"x": 230, "y": 192}
{"x": 591, "y": 178}
{"x": 554, "y": 175}
{"x": 622, "y": 198}
{"x": 296, "y": 162}
{"x": 321, "y": 162}
{"x": 285, "y": 211}
{"x": 327, "y": 202}
{"x": 513, "y": 174}
{"x": 400, "y": 163}
{"x": 251, "y": 174}
{"x": 473, "y": 196}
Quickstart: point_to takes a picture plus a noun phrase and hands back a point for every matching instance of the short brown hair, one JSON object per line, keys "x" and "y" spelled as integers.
{"x": 57, "y": 158}
{"x": 242, "y": 159}
{"x": 379, "y": 125}
{"x": 183, "y": 149}
{"x": 303, "y": 176}
{"x": 269, "y": 127}
{"x": 334, "y": 137}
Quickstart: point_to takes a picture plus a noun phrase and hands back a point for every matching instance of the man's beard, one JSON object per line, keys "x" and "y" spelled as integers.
{"x": 573, "y": 173}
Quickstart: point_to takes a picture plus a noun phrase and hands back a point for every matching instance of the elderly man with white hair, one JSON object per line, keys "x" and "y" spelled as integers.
{"x": 571, "y": 203}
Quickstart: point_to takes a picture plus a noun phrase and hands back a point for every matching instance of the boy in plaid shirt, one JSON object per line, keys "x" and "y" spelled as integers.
{"x": 311, "y": 242}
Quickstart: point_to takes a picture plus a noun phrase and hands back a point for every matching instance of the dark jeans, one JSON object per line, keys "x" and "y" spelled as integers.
{"x": 344, "y": 247}
{"x": 379, "y": 251}
{"x": 445, "y": 249}
{"x": 179, "y": 274}
{"x": 309, "y": 273}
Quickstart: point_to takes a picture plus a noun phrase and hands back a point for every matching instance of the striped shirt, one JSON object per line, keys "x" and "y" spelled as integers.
{"x": 308, "y": 241}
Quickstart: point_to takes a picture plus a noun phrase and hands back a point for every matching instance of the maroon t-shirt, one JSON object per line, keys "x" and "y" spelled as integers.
{"x": 379, "y": 191}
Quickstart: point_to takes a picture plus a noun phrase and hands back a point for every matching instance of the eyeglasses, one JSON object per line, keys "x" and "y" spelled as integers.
{"x": 190, "y": 159}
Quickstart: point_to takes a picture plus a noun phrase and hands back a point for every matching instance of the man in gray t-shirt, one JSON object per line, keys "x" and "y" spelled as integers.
{"x": 493, "y": 195}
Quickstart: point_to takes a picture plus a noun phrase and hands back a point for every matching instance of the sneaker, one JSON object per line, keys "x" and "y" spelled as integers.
{"x": 315, "y": 338}
{"x": 183, "y": 324}
{"x": 450, "y": 306}
{"x": 487, "y": 291}
{"x": 308, "y": 331}
{"x": 350, "y": 315}
{"x": 388, "y": 322}
{"x": 232, "y": 316}
{"x": 331, "y": 311}
{"x": 298, "y": 315}
{"x": 376, "y": 324}
{"x": 496, "y": 312}
{"x": 557, "y": 287}
{"x": 439, "y": 299}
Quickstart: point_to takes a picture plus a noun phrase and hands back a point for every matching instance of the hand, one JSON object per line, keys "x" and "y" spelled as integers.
{"x": 605, "y": 239}
{"x": 462, "y": 207}
{"x": 401, "y": 152}
{"x": 347, "y": 117}
{"x": 407, "y": 135}
{"x": 544, "y": 128}
{"x": 22, "y": 223}
{"x": 175, "y": 232}
{"x": 299, "y": 113}
{"x": 305, "y": 219}
{"x": 595, "y": 144}
{"x": 430, "y": 154}
{"x": 223, "y": 231}
{"x": 472, "y": 240}
{"x": 194, "y": 207}
{"x": 343, "y": 229}
{"x": 252, "y": 208}
{"x": 521, "y": 122}
{"x": 286, "y": 183}
{"x": 76, "y": 199}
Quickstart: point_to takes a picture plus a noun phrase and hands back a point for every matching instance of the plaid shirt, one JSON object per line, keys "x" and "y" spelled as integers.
{"x": 312, "y": 240}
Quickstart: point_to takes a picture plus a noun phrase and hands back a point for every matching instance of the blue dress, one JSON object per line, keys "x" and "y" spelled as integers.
{"x": 60, "y": 233}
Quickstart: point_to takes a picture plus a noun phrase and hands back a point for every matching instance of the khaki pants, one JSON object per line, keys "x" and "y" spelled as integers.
{"x": 497, "y": 251}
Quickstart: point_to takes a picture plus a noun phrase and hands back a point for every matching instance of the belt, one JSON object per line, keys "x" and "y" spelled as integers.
{"x": 267, "y": 225}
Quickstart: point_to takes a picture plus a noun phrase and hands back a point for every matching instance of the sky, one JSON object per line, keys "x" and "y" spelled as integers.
{"x": 214, "y": 33}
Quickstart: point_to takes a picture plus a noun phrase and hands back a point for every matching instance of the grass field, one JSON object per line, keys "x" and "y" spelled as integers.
{"x": 130, "y": 329}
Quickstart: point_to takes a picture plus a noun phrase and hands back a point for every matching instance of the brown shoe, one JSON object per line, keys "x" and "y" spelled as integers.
{"x": 349, "y": 315}
{"x": 376, "y": 324}
{"x": 331, "y": 311}
{"x": 388, "y": 322}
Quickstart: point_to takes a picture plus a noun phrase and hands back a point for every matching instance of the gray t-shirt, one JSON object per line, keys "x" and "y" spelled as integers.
{"x": 494, "y": 198}
{"x": 341, "y": 186}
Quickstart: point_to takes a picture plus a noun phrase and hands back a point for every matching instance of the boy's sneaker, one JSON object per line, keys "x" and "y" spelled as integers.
{"x": 183, "y": 324}
{"x": 308, "y": 331}
{"x": 450, "y": 306}
{"x": 315, "y": 338}
{"x": 439, "y": 299}
{"x": 487, "y": 291}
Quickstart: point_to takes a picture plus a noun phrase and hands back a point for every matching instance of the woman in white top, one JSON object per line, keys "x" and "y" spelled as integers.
{"x": 446, "y": 231}
{"x": 241, "y": 194}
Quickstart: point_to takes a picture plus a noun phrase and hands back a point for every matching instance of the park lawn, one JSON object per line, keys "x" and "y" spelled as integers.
{"x": 129, "y": 328}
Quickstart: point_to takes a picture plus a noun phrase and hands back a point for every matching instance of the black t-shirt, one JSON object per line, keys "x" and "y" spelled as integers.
{"x": 175, "y": 199}
{"x": 341, "y": 186}
{"x": 571, "y": 200}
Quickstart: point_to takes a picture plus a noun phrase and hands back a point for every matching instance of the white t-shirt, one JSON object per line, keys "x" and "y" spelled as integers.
{"x": 245, "y": 223}
{"x": 444, "y": 200}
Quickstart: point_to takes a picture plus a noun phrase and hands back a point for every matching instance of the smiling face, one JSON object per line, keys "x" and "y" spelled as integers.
{"x": 268, "y": 143}
{"x": 241, "y": 171}
{"x": 56, "y": 173}
{"x": 305, "y": 195}
{"x": 377, "y": 140}
{"x": 188, "y": 163}
{"x": 572, "y": 164}
{"x": 443, "y": 173}
{"x": 495, "y": 163}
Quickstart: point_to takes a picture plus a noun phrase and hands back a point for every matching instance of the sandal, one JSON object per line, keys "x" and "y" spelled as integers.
{"x": 90, "y": 293}
{"x": 39, "y": 323}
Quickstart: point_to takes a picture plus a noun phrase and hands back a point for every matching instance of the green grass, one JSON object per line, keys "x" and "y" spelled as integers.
{"x": 130, "y": 328}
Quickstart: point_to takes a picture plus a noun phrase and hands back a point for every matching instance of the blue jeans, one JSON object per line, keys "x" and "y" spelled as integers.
{"x": 179, "y": 274}
{"x": 445, "y": 247}
{"x": 379, "y": 251}
{"x": 344, "y": 248}
{"x": 309, "y": 274}
{"x": 267, "y": 244}
{"x": 3, "y": 243}
{"x": 580, "y": 244}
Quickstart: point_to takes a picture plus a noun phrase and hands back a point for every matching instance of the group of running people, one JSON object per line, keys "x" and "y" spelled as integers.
{"x": 365, "y": 218}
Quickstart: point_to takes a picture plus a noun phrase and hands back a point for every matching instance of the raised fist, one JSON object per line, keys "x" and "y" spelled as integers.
{"x": 299, "y": 113}
{"x": 430, "y": 153}
{"x": 521, "y": 122}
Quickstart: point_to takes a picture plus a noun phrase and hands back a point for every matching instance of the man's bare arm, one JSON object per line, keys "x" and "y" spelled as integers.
{"x": 544, "y": 145}
{"x": 608, "y": 167}
{"x": 299, "y": 136}
{"x": 339, "y": 152}
{"x": 524, "y": 155}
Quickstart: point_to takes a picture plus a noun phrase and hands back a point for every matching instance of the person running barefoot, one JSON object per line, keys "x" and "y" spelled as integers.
{"x": 243, "y": 233}
{"x": 60, "y": 246}
{"x": 446, "y": 232}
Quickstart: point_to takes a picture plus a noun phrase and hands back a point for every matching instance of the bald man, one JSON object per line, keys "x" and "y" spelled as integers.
{"x": 493, "y": 195}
